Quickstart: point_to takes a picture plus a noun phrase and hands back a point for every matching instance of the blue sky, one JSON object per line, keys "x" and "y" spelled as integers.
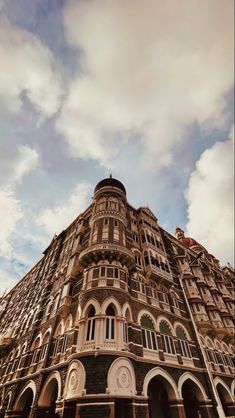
{"x": 142, "y": 90}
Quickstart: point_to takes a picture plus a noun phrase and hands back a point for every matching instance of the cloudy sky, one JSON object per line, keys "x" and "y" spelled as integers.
{"x": 142, "y": 89}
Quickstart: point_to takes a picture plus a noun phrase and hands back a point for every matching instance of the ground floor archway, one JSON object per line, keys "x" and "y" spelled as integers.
{"x": 123, "y": 408}
{"x": 226, "y": 400}
{"x": 159, "y": 406}
{"x": 25, "y": 403}
{"x": 191, "y": 399}
{"x": 48, "y": 399}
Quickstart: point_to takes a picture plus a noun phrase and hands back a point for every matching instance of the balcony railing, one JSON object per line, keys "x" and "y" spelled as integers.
{"x": 159, "y": 275}
{"x": 5, "y": 344}
{"x": 112, "y": 250}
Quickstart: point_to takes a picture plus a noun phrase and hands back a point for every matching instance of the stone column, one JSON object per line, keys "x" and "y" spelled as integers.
{"x": 40, "y": 412}
{"x": 206, "y": 410}
{"x": 119, "y": 332}
{"x": 2, "y": 413}
{"x": 99, "y": 333}
{"x": 69, "y": 410}
{"x": 177, "y": 408}
{"x": 140, "y": 409}
{"x": 81, "y": 337}
{"x": 231, "y": 409}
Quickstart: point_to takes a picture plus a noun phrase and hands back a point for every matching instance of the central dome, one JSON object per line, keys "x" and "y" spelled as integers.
{"x": 111, "y": 183}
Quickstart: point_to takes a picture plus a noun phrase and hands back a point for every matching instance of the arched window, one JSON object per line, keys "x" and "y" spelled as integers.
{"x": 167, "y": 339}
{"x": 184, "y": 345}
{"x": 44, "y": 346}
{"x": 146, "y": 258}
{"x": 110, "y": 323}
{"x": 101, "y": 204}
{"x": 67, "y": 332}
{"x": 175, "y": 299}
{"x": 35, "y": 350}
{"x": 58, "y": 340}
{"x": 125, "y": 326}
{"x": 90, "y": 336}
{"x": 149, "y": 338}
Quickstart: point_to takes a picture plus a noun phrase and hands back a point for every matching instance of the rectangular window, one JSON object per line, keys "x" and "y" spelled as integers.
{"x": 185, "y": 349}
{"x": 90, "y": 329}
{"x": 109, "y": 272}
{"x": 168, "y": 344}
{"x": 143, "y": 338}
{"x": 109, "y": 329}
{"x": 102, "y": 272}
{"x": 65, "y": 343}
{"x": 96, "y": 273}
{"x": 149, "y": 339}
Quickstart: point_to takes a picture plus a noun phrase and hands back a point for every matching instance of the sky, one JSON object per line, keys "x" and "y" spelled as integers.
{"x": 139, "y": 89}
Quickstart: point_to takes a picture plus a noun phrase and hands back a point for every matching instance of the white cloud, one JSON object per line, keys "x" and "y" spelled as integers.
{"x": 27, "y": 160}
{"x": 57, "y": 218}
{"x": 10, "y": 213}
{"x": 210, "y": 196}
{"x": 6, "y": 281}
{"x": 151, "y": 68}
{"x": 27, "y": 67}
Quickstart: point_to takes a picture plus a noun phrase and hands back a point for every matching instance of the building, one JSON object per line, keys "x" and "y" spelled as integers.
{"x": 119, "y": 319}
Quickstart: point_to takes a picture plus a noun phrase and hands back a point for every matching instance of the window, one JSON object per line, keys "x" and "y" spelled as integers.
{"x": 167, "y": 339}
{"x": 95, "y": 273}
{"x": 146, "y": 259}
{"x": 110, "y": 323}
{"x": 184, "y": 345}
{"x": 91, "y": 325}
{"x": 102, "y": 272}
{"x": 148, "y": 333}
{"x": 64, "y": 343}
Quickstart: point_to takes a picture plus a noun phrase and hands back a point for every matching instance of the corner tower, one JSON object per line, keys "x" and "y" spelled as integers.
{"x": 108, "y": 223}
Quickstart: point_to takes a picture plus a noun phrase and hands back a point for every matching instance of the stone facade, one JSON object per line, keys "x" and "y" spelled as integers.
{"x": 119, "y": 319}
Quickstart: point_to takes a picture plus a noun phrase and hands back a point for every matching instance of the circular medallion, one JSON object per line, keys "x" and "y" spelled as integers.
{"x": 123, "y": 377}
{"x": 73, "y": 380}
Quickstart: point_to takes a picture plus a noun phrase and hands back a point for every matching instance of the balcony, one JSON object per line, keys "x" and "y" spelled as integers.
{"x": 5, "y": 344}
{"x": 203, "y": 323}
{"x": 110, "y": 251}
{"x": 158, "y": 275}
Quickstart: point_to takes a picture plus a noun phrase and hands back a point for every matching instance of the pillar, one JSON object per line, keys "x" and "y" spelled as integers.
{"x": 177, "y": 408}
{"x": 140, "y": 409}
{"x": 207, "y": 410}
{"x": 69, "y": 410}
{"x": 231, "y": 409}
{"x": 40, "y": 411}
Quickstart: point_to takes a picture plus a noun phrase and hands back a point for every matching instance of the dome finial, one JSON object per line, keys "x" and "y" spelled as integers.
{"x": 110, "y": 176}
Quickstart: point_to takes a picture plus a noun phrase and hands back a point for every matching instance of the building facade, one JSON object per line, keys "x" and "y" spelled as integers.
{"x": 119, "y": 319}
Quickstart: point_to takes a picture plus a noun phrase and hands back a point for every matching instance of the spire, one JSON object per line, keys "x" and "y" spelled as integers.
{"x": 110, "y": 176}
{"x": 179, "y": 232}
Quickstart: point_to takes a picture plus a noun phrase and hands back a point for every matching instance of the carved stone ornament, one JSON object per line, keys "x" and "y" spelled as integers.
{"x": 73, "y": 380}
{"x": 123, "y": 378}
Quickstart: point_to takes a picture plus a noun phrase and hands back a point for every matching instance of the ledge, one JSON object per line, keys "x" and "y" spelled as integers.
{"x": 111, "y": 251}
